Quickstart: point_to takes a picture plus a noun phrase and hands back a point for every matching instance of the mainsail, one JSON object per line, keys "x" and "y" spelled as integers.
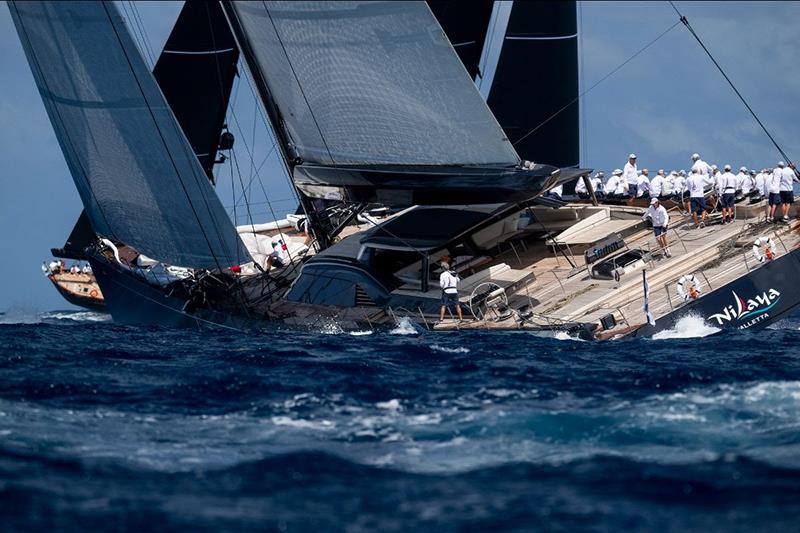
{"x": 138, "y": 178}
{"x": 528, "y": 70}
{"x": 195, "y": 72}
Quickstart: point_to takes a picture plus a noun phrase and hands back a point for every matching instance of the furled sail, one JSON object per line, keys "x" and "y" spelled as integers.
{"x": 369, "y": 83}
{"x": 138, "y": 178}
{"x": 528, "y": 55}
{"x": 195, "y": 72}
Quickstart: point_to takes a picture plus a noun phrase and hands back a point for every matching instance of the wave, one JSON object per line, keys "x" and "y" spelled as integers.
{"x": 687, "y": 327}
{"x": 23, "y": 316}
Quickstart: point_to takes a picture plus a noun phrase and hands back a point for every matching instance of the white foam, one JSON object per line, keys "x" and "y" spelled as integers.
{"x": 564, "y": 336}
{"x": 391, "y": 405}
{"x": 79, "y": 316}
{"x": 445, "y": 349}
{"x": 687, "y": 327}
{"x": 360, "y": 333}
{"x": 331, "y": 328}
{"x": 303, "y": 424}
{"x": 404, "y": 327}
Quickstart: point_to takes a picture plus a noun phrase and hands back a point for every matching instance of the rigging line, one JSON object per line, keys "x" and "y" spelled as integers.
{"x": 169, "y": 154}
{"x": 137, "y": 35}
{"x": 257, "y": 171}
{"x": 685, "y": 22}
{"x": 598, "y": 82}
{"x": 37, "y": 65}
{"x": 299, "y": 86}
{"x": 145, "y": 38}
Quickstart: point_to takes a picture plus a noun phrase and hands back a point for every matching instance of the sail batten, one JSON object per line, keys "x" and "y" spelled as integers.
{"x": 137, "y": 175}
{"x": 369, "y": 83}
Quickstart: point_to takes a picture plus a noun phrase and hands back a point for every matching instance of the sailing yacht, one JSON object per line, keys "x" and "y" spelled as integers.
{"x": 369, "y": 104}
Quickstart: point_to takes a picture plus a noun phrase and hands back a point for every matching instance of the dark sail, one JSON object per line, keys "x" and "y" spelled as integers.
{"x": 535, "y": 76}
{"x": 138, "y": 178}
{"x": 466, "y": 25}
{"x": 195, "y": 72}
{"x": 81, "y": 236}
{"x": 369, "y": 83}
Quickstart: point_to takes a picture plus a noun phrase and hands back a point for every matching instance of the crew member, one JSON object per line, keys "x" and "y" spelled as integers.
{"x": 660, "y": 218}
{"x": 748, "y": 183}
{"x": 697, "y": 183}
{"x": 448, "y": 281}
{"x": 773, "y": 181}
{"x": 612, "y": 183}
{"x": 740, "y": 179}
{"x": 787, "y": 179}
{"x": 279, "y": 257}
{"x": 631, "y": 175}
{"x": 643, "y": 185}
{"x": 657, "y": 184}
{"x": 597, "y": 184}
{"x": 728, "y": 190}
{"x": 702, "y": 167}
{"x": 555, "y": 193}
{"x": 581, "y": 190}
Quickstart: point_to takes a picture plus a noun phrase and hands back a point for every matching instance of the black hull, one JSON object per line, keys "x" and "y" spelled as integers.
{"x": 751, "y": 302}
{"x": 130, "y": 300}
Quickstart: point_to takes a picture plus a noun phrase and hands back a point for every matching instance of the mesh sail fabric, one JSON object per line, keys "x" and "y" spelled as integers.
{"x": 138, "y": 178}
{"x": 370, "y": 83}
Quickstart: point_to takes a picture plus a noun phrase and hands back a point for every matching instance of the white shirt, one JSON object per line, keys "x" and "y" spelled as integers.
{"x": 774, "y": 182}
{"x": 448, "y": 282}
{"x": 580, "y": 186}
{"x": 761, "y": 183}
{"x": 558, "y": 190}
{"x": 787, "y": 178}
{"x": 697, "y": 183}
{"x": 659, "y": 215}
{"x": 630, "y": 173}
{"x": 279, "y": 254}
{"x": 747, "y": 184}
{"x": 740, "y": 178}
{"x": 622, "y": 187}
{"x": 678, "y": 185}
{"x": 703, "y": 168}
{"x": 611, "y": 184}
{"x": 727, "y": 183}
{"x": 656, "y": 185}
{"x": 597, "y": 184}
{"x": 717, "y": 176}
{"x": 643, "y": 186}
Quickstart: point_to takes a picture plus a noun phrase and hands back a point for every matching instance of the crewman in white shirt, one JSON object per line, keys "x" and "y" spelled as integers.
{"x": 660, "y": 218}
{"x": 697, "y": 183}
{"x": 555, "y": 193}
{"x": 787, "y": 179}
{"x": 727, "y": 187}
{"x": 657, "y": 184}
{"x": 773, "y": 184}
{"x": 748, "y": 182}
{"x": 448, "y": 281}
{"x": 597, "y": 184}
{"x": 643, "y": 185}
{"x": 631, "y": 175}
{"x": 622, "y": 189}
{"x": 740, "y": 177}
{"x": 702, "y": 167}
{"x": 581, "y": 190}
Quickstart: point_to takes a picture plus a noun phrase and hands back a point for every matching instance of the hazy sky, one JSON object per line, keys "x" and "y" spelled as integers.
{"x": 665, "y": 104}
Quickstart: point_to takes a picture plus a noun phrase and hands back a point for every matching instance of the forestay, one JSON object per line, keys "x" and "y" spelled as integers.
{"x": 370, "y": 83}
{"x": 139, "y": 180}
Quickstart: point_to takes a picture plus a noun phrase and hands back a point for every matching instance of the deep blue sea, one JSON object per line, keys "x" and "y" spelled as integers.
{"x": 111, "y": 428}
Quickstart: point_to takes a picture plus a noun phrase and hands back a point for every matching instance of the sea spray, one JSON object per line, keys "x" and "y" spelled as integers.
{"x": 687, "y": 327}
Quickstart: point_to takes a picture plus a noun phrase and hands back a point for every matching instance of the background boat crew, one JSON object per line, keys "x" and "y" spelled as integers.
{"x": 86, "y": 269}
{"x": 678, "y": 189}
{"x": 657, "y": 184}
{"x": 55, "y": 267}
{"x": 773, "y": 184}
{"x": 658, "y": 215}
{"x": 643, "y": 185}
{"x": 448, "y": 281}
{"x": 630, "y": 175}
{"x": 787, "y": 179}
{"x": 728, "y": 190}
{"x": 697, "y": 183}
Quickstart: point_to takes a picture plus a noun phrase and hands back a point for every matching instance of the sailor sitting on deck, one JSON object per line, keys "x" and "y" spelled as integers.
{"x": 660, "y": 218}
{"x": 278, "y": 258}
{"x": 581, "y": 190}
{"x": 657, "y": 184}
{"x": 697, "y": 183}
{"x": 555, "y": 193}
{"x": 448, "y": 281}
{"x": 597, "y": 185}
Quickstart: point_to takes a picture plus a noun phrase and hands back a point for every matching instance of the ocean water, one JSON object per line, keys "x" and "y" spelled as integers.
{"x": 104, "y": 427}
